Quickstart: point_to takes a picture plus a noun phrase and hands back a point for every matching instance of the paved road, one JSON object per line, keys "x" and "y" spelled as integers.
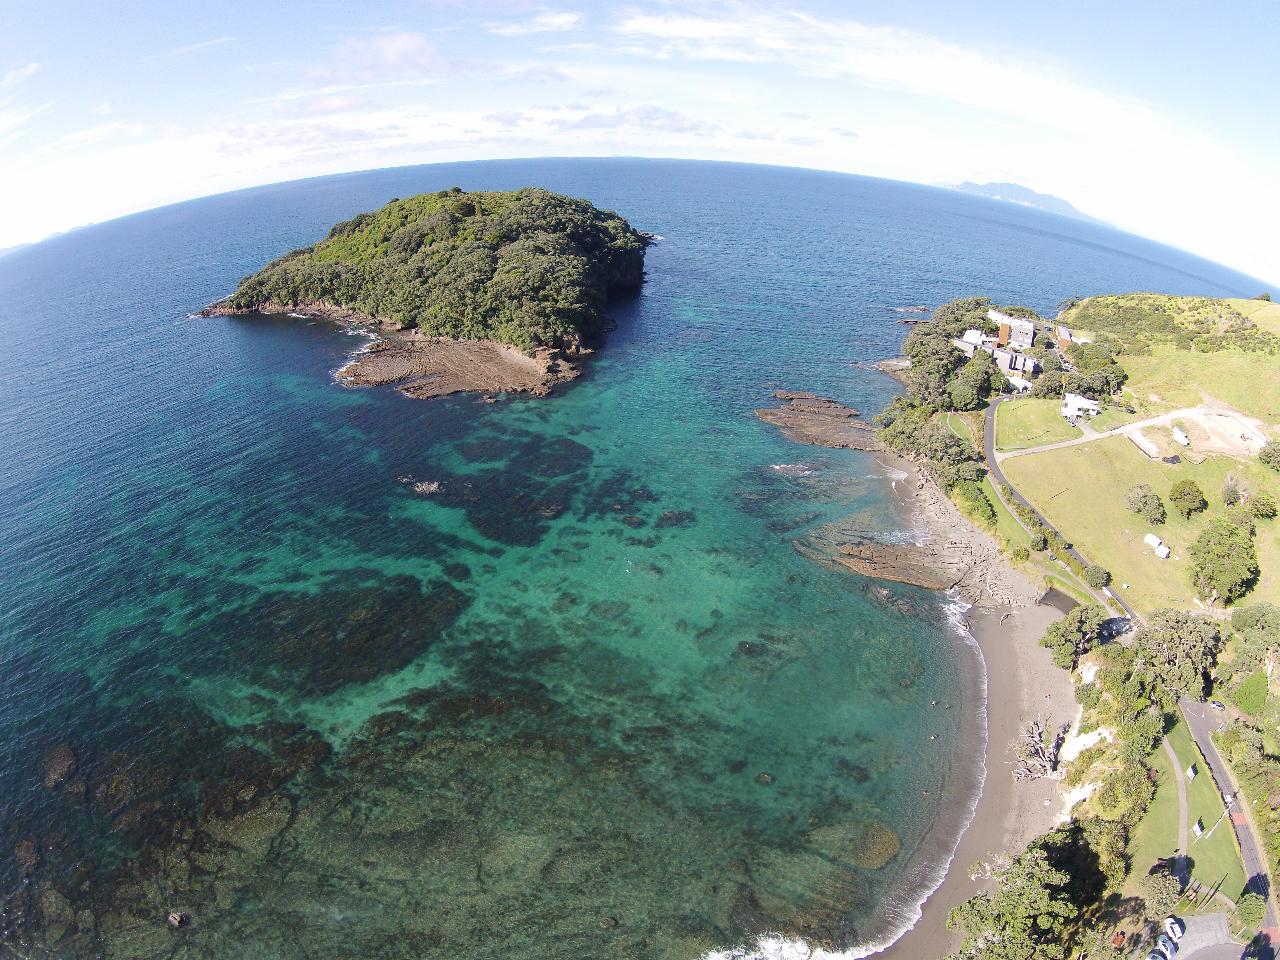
{"x": 1202, "y": 721}
{"x": 989, "y": 443}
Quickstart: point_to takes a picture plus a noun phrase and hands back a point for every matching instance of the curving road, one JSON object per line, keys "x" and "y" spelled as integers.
{"x": 993, "y": 466}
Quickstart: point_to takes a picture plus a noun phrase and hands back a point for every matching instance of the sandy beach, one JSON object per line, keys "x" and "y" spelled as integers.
{"x": 1007, "y": 619}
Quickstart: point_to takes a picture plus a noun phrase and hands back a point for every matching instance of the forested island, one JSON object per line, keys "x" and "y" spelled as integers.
{"x": 480, "y": 290}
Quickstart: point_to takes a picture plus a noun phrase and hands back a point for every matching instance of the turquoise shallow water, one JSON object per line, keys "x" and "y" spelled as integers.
{"x": 250, "y": 675}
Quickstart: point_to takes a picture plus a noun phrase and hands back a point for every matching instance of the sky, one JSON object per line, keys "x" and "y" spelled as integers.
{"x": 1158, "y": 117}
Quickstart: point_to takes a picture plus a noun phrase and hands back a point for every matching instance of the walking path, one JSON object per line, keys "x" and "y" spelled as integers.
{"x": 1180, "y": 780}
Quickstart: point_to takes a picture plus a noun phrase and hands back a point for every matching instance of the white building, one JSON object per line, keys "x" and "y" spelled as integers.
{"x": 1015, "y": 331}
{"x": 1018, "y": 384}
{"x": 1010, "y": 362}
{"x": 1160, "y": 548}
{"x": 965, "y": 347}
{"x": 1075, "y": 406}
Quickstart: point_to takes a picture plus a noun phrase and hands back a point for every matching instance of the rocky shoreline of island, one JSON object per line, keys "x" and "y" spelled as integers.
{"x": 423, "y": 366}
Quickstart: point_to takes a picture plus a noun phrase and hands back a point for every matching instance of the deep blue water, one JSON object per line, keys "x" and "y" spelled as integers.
{"x": 247, "y": 674}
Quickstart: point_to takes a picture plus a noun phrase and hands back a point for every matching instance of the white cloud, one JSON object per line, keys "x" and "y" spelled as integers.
{"x": 11, "y": 78}
{"x": 549, "y": 21}
{"x": 190, "y": 48}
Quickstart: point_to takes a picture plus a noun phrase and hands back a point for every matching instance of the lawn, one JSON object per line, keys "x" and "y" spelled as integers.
{"x": 1156, "y": 835}
{"x": 1031, "y": 422}
{"x": 1251, "y": 695}
{"x": 1112, "y": 417}
{"x": 1215, "y": 857}
{"x": 1080, "y": 490}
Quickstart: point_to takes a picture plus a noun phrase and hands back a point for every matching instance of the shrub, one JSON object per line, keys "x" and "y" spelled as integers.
{"x": 1251, "y": 908}
{"x": 1097, "y": 576}
{"x": 1187, "y": 498}
{"x": 1262, "y": 506}
{"x": 974, "y": 502}
{"x": 1230, "y": 492}
{"x": 1144, "y": 501}
{"x": 1270, "y": 455}
{"x": 1019, "y": 554}
{"x": 1161, "y": 891}
{"x": 1039, "y": 541}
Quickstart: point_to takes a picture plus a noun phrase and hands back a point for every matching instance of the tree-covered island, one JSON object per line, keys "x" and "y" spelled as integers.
{"x": 460, "y": 278}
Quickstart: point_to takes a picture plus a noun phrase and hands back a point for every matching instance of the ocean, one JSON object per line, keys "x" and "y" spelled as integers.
{"x": 589, "y": 697}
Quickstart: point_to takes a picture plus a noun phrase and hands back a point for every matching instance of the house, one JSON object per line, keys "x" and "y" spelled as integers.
{"x": 1010, "y": 362}
{"x": 1018, "y": 384}
{"x": 1180, "y": 438}
{"x": 965, "y": 347}
{"x": 1075, "y": 406}
{"x": 973, "y": 336}
{"x": 1160, "y": 548}
{"x": 1014, "y": 331}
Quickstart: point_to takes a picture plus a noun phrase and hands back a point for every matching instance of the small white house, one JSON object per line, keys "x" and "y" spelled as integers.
{"x": 973, "y": 336}
{"x": 1180, "y": 438}
{"x": 1075, "y": 406}
{"x": 1019, "y": 384}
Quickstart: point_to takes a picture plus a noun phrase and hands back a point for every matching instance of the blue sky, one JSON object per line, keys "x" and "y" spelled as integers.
{"x": 1158, "y": 117}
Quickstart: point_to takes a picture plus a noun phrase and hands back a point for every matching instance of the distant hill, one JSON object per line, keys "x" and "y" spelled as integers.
{"x": 1024, "y": 196}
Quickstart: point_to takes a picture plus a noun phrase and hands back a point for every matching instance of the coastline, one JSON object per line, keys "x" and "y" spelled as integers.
{"x": 1009, "y": 675}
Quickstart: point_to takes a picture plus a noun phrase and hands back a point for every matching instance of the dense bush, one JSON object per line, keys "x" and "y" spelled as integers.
{"x": 1187, "y": 498}
{"x": 1262, "y": 506}
{"x": 527, "y": 267}
{"x": 1097, "y": 576}
{"x": 1270, "y": 454}
{"x": 1224, "y": 563}
{"x": 1145, "y": 502}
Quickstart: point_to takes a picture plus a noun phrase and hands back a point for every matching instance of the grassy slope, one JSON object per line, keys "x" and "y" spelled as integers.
{"x": 1081, "y": 491}
{"x": 1030, "y": 422}
{"x": 1169, "y": 378}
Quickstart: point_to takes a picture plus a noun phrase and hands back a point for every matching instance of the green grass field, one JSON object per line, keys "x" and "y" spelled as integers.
{"x": 1081, "y": 489}
{"x": 1215, "y": 857}
{"x": 1169, "y": 378}
{"x": 1156, "y": 835}
{"x": 1262, "y": 312}
{"x": 1030, "y": 422}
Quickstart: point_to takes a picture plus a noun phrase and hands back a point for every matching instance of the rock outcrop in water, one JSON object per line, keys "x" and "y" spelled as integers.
{"x": 809, "y": 418}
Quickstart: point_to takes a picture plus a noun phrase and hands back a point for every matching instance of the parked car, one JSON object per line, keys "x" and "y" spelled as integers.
{"x": 1156, "y": 955}
{"x": 1174, "y": 928}
{"x": 1168, "y": 946}
{"x": 1218, "y": 705}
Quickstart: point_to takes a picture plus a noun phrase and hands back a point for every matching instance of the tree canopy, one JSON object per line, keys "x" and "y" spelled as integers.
{"x": 1224, "y": 563}
{"x": 1074, "y": 635}
{"x": 1021, "y": 918}
{"x": 1145, "y": 502}
{"x": 527, "y": 267}
{"x": 1187, "y": 498}
{"x": 1175, "y": 651}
